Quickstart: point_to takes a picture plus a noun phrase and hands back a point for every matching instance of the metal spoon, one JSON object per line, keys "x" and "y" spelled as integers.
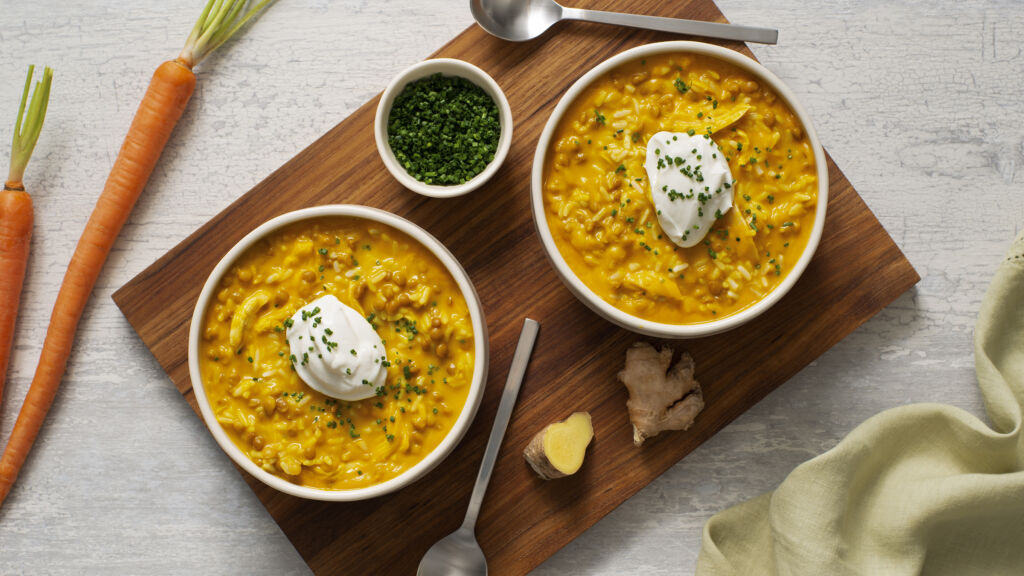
{"x": 458, "y": 553}
{"x": 521, "y": 20}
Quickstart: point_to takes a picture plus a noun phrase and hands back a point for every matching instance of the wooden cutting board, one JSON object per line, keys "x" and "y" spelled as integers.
{"x": 856, "y": 272}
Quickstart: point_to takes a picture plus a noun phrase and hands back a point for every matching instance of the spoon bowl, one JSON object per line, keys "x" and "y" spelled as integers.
{"x": 521, "y": 20}
{"x": 516, "y": 21}
{"x": 457, "y": 554}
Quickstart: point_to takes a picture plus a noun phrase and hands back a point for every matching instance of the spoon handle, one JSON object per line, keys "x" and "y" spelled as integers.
{"x": 677, "y": 25}
{"x": 508, "y": 400}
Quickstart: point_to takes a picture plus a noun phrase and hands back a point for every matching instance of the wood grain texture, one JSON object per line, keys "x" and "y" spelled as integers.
{"x": 857, "y": 271}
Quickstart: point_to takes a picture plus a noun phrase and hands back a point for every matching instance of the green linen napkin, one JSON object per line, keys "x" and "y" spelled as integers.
{"x": 919, "y": 489}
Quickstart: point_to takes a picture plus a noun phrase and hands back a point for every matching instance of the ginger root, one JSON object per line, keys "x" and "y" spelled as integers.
{"x": 558, "y": 449}
{"x": 659, "y": 398}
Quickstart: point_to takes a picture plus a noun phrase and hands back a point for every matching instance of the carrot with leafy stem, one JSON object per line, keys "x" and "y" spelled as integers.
{"x": 16, "y": 213}
{"x": 165, "y": 100}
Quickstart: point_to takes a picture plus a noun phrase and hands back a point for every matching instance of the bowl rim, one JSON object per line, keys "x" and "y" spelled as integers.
{"x": 448, "y": 67}
{"x": 477, "y": 383}
{"x": 598, "y": 304}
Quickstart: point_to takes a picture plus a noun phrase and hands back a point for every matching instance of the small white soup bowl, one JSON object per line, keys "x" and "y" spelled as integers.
{"x": 446, "y": 67}
{"x": 479, "y": 379}
{"x": 595, "y": 302}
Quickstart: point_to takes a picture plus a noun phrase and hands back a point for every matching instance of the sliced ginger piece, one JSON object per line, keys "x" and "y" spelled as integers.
{"x": 659, "y": 398}
{"x": 558, "y": 449}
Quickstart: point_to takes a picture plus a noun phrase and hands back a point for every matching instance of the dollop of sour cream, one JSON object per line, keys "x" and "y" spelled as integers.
{"x": 691, "y": 185}
{"x": 336, "y": 351}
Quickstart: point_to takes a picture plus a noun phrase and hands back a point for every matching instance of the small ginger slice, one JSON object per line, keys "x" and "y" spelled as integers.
{"x": 558, "y": 449}
{"x": 659, "y": 398}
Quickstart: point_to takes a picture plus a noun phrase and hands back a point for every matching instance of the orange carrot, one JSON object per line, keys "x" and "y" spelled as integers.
{"x": 16, "y": 212}
{"x": 169, "y": 92}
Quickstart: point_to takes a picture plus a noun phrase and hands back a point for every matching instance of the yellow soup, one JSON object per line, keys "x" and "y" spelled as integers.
{"x": 598, "y": 204}
{"x": 286, "y": 427}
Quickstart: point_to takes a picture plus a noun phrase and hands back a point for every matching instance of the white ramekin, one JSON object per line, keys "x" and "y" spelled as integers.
{"x": 477, "y": 385}
{"x": 595, "y": 302}
{"x": 447, "y": 67}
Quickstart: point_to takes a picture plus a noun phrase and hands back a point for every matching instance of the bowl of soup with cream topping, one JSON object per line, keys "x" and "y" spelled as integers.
{"x": 338, "y": 352}
{"x": 679, "y": 189}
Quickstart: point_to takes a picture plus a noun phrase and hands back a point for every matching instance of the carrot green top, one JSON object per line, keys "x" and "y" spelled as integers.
{"x": 216, "y": 25}
{"x": 29, "y": 124}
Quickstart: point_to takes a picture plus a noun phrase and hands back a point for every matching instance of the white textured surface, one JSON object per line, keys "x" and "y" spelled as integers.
{"x": 920, "y": 103}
